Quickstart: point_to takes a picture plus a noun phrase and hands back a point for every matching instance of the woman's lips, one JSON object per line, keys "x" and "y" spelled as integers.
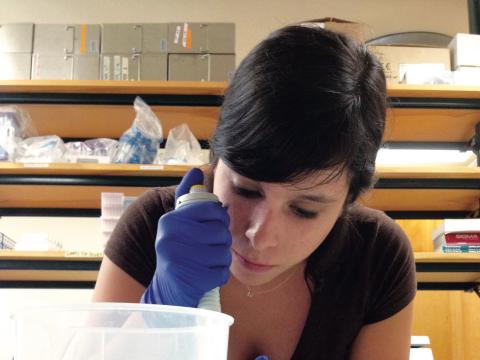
{"x": 251, "y": 265}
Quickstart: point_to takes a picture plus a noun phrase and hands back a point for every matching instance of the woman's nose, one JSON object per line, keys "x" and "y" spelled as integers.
{"x": 263, "y": 228}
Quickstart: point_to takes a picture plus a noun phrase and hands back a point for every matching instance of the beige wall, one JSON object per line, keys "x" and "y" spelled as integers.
{"x": 254, "y": 18}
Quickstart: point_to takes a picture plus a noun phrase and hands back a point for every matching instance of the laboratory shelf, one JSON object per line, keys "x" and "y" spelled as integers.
{"x": 422, "y": 192}
{"x": 431, "y": 116}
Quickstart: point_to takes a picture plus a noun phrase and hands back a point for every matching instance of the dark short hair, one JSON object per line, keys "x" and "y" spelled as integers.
{"x": 304, "y": 99}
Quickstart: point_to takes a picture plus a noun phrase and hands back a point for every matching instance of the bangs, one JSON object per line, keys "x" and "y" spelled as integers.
{"x": 275, "y": 154}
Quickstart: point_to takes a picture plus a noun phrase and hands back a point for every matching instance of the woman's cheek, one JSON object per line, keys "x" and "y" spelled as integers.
{"x": 238, "y": 211}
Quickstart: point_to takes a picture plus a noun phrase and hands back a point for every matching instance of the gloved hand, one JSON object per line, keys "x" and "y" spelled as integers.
{"x": 261, "y": 357}
{"x": 192, "y": 249}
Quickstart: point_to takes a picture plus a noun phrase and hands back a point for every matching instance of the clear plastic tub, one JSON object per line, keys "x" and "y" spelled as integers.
{"x": 111, "y": 204}
{"x": 108, "y": 224}
{"x": 116, "y": 331}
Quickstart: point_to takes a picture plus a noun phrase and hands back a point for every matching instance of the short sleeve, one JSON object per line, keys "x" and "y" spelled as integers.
{"x": 392, "y": 284}
{"x": 132, "y": 243}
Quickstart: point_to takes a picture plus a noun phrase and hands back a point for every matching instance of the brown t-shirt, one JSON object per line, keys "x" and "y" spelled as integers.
{"x": 364, "y": 271}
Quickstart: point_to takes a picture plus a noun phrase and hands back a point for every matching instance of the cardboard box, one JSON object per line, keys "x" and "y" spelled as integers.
{"x": 356, "y": 31}
{"x": 467, "y": 75}
{"x": 392, "y": 57}
{"x": 457, "y": 226}
{"x": 15, "y": 66}
{"x": 61, "y": 67}
{"x": 67, "y": 39}
{"x": 201, "y": 38}
{"x": 465, "y": 50}
{"x": 16, "y": 41}
{"x": 456, "y": 233}
{"x": 16, "y": 38}
{"x": 198, "y": 67}
{"x": 134, "y": 38}
{"x": 119, "y": 66}
{"x": 139, "y": 67}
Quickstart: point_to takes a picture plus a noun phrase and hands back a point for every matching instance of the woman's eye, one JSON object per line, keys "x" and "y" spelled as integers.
{"x": 306, "y": 214}
{"x": 250, "y": 194}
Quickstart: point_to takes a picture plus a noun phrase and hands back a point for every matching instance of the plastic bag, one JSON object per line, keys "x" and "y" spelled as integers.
{"x": 15, "y": 124}
{"x": 140, "y": 143}
{"x": 182, "y": 147}
{"x": 40, "y": 149}
{"x": 19, "y": 119}
{"x": 94, "y": 150}
{"x": 7, "y": 142}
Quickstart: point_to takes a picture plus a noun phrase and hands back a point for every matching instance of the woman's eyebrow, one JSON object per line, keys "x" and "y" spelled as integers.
{"x": 316, "y": 198}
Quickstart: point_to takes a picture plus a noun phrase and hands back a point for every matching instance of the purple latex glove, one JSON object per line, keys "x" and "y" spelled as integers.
{"x": 262, "y": 357}
{"x": 192, "y": 248}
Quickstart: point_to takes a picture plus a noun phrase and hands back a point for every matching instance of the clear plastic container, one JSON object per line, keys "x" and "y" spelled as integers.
{"x": 6, "y": 243}
{"x": 117, "y": 331}
{"x": 111, "y": 205}
{"x": 108, "y": 224}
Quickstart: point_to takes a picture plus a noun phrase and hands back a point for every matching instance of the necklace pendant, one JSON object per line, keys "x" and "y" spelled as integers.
{"x": 250, "y": 293}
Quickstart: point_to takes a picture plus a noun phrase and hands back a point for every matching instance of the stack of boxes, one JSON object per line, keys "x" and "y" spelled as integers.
{"x": 66, "y": 52}
{"x": 111, "y": 211}
{"x": 15, "y": 51}
{"x": 457, "y": 236}
{"x": 458, "y": 63}
{"x": 176, "y": 51}
{"x": 112, "y": 207}
{"x": 134, "y": 52}
{"x": 465, "y": 49}
{"x": 201, "y": 52}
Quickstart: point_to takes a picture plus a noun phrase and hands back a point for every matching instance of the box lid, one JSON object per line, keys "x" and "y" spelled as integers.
{"x": 457, "y": 226}
{"x": 354, "y": 30}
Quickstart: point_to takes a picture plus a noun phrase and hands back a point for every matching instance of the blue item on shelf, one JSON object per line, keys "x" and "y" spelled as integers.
{"x": 461, "y": 248}
{"x": 136, "y": 148}
{"x": 140, "y": 143}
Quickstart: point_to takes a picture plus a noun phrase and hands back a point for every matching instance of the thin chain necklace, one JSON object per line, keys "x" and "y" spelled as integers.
{"x": 251, "y": 293}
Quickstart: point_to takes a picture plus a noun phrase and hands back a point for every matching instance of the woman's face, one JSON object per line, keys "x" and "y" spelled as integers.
{"x": 275, "y": 226}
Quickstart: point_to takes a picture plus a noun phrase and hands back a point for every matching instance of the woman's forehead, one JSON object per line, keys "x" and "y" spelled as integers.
{"x": 336, "y": 177}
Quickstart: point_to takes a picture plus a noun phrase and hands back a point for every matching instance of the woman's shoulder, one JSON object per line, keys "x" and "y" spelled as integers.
{"x": 386, "y": 262}
{"x": 159, "y": 199}
{"x": 371, "y": 222}
{"x": 362, "y": 214}
{"x": 377, "y": 236}
{"x": 381, "y": 241}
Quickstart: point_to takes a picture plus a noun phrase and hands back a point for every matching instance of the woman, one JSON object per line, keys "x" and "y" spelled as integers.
{"x": 305, "y": 271}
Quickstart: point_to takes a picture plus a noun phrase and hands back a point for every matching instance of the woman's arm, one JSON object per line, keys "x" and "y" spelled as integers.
{"x": 115, "y": 285}
{"x": 388, "y": 339}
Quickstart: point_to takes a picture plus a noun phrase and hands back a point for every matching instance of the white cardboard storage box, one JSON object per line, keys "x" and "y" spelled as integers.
{"x": 392, "y": 57}
{"x": 465, "y": 50}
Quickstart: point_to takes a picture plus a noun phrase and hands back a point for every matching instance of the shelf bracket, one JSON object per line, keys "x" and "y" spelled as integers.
{"x": 476, "y": 290}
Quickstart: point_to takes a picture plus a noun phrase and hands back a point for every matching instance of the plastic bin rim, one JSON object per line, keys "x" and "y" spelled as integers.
{"x": 221, "y": 317}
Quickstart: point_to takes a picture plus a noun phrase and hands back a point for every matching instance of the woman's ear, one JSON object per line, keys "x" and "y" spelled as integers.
{"x": 209, "y": 174}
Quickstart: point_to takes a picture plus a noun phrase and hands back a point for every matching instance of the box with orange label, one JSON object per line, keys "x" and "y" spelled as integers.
{"x": 66, "y": 52}
{"x": 201, "y": 38}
